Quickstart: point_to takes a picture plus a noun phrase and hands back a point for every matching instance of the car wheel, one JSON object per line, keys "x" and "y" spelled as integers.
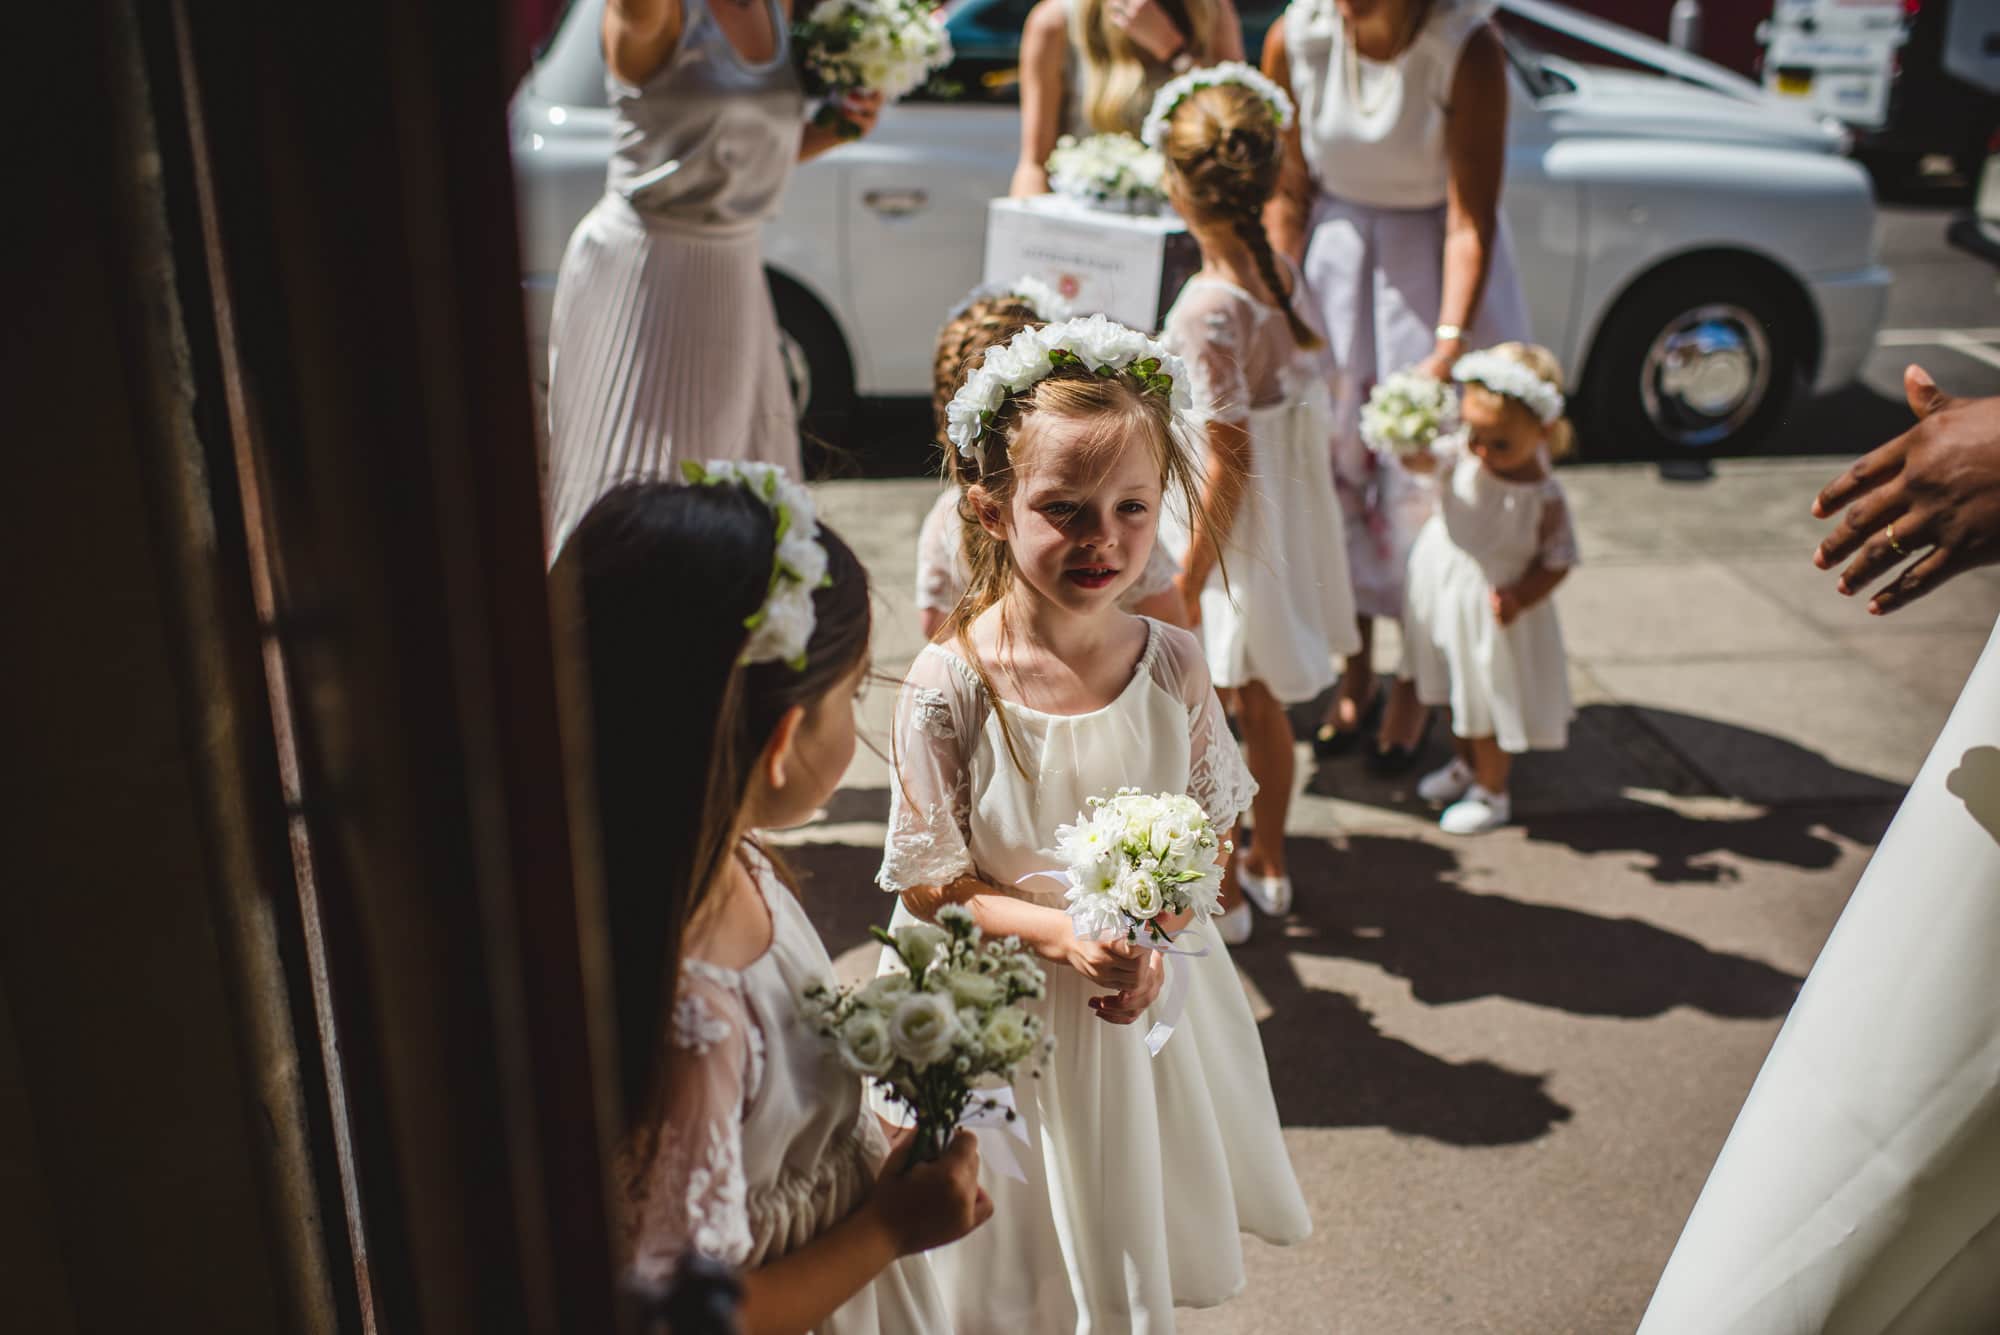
{"x": 817, "y": 366}
{"x": 1696, "y": 360}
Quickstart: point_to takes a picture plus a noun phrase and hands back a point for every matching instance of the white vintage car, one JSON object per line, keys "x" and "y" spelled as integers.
{"x": 1693, "y": 250}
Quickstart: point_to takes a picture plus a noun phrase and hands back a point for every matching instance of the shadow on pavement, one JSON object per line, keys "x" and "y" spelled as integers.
{"x": 1397, "y": 904}
{"x": 1593, "y": 797}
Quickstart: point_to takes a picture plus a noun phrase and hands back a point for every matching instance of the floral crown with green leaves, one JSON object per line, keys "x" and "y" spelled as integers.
{"x": 1102, "y": 347}
{"x": 782, "y": 626}
{"x": 1175, "y": 91}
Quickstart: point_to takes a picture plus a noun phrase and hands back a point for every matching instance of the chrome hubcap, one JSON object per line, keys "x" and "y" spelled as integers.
{"x": 1706, "y": 374}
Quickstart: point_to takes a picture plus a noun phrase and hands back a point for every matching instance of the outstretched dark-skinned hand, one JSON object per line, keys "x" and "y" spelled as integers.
{"x": 1929, "y": 500}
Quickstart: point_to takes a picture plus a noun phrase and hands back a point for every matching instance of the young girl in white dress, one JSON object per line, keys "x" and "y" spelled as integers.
{"x": 1276, "y": 627}
{"x": 990, "y": 315}
{"x": 744, "y": 1140}
{"x": 1039, "y": 695}
{"x": 1481, "y": 630}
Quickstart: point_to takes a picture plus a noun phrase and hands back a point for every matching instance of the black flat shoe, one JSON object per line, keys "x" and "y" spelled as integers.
{"x": 1390, "y": 761}
{"x": 1333, "y": 740}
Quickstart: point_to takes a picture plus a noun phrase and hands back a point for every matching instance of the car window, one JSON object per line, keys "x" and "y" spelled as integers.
{"x": 570, "y": 72}
{"x": 986, "y": 46}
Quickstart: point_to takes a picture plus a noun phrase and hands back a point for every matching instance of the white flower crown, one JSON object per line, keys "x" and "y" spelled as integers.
{"x": 1030, "y": 291}
{"x": 1102, "y": 346}
{"x": 1505, "y": 376}
{"x": 782, "y": 627}
{"x": 1229, "y": 71}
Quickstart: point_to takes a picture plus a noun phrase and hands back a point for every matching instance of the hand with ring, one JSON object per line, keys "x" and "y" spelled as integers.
{"x": 1932, "y": 493}
{"x": 1149, "y": 26}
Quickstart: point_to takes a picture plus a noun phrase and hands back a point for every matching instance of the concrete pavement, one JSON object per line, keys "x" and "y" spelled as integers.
{"x": 1505, "y": 1065}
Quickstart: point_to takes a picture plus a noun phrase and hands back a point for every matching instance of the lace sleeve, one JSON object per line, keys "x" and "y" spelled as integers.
{"x": 930, "y": 793}
{"x": 1208, "y": 327}
{"x": 1217, "y": 777}
{"x": 685, "y": 1187}
{"x": 1556, "y": 536}
{"x": 940, "y": 562}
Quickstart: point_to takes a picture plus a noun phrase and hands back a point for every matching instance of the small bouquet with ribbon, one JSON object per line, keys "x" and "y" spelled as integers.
{"x": 1406, "y": 413}
{"x": 1133, "y": 858}
{"x": 867, "y": 46}
{"x": 942, "y": 1037}
{"x": 1114, "y": 172}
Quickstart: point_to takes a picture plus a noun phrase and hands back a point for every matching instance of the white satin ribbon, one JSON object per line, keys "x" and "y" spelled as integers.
{"x": 989, "y": 1110}
{"x": 1172, "y": 1002}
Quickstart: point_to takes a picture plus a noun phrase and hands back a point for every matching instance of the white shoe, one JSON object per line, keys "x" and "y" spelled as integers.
{"x": 1234, "y": 926}
{"x": 1477, "y": 812}
{"x": 1271, "y": 894}
{"x": 1443, "y": 786}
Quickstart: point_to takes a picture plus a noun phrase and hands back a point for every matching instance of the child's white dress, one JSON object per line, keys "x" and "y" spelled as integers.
{"x": 1142, "y": 1170}
{"x": 1510, "y": 683}
{"x": 1285, "y": 611}
{"x": 768, "y": 1140}
{"x": 942, "y": 574}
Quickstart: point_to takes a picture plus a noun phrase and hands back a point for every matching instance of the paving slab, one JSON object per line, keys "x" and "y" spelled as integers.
{"x": 1692, "y": 609}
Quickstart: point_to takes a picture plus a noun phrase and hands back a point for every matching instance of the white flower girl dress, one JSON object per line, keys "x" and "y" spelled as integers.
{"x": 767, "y": 1140}
{"x": 1142, "y": 1170}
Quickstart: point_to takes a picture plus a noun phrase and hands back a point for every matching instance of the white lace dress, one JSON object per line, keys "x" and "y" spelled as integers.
{"x": 1143, "y": 1171}
{"x": 942, "y": 574}
{"x": 767, "y": 1141}
{"x": 1510, "y": 683}
{"x": 1280, "y": 609}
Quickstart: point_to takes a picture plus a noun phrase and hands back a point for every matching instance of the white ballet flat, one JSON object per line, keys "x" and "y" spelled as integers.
{"x": 1234, "y": 926}
{"x": 1477, "y": 812}
{"x": 1271, "y": 894}
{"x": 1446, "y": 785}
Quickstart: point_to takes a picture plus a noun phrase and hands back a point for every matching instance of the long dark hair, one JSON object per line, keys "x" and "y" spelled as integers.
{"x": 664, "y": 576}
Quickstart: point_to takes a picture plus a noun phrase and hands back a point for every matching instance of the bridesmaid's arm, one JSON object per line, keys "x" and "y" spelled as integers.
{"x": 1226, "y": 42}
{"x": 640, "y": 37}
{"x": 1475, "y": 142}
{"x": 1047, "y": 931}
{"x": 1290, "y": 209}
{"x": 1044, "y": 51}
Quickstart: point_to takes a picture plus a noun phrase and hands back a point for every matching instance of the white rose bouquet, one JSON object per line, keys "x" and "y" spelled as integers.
{"x": 1109, "y": 171}
{"x": 853, "y": 46}
{"x": 936, "y": 1035}
{"x": 1134, "y": 857}
{"x": 1407, "y": 412}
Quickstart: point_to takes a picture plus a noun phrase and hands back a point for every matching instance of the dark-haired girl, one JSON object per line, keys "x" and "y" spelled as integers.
{"x": 727, "y": 634}
{"x": 1274, "y": 627}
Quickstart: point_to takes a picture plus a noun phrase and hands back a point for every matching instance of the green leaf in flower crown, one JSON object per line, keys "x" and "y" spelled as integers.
{"x": 784, "y": 513}
{"x": 693, "y": 471}
{"x": 756, "y": 619}
{"x": 1146, "y": 367}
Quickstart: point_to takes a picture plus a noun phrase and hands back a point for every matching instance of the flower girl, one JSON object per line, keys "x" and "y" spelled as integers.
{"x": 1040, "y": 695}
{"x": 1480, "y": 631}
{"x": 727, "y": 634}
{"x": 1275, "y": 625}
{"x": 991, "y": 314}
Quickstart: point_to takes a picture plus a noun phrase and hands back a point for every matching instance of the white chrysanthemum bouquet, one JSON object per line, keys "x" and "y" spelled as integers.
{"x": 859, "y": 46}
{"x": 1109, "y": 171}
{"x": 1134, "y": 857}
{"x": 1406, "y": 413}
{"x": 938, "y": 1033}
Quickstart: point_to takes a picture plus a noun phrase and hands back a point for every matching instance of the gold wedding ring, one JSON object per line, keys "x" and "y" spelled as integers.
{"x": 1894, "y": 546}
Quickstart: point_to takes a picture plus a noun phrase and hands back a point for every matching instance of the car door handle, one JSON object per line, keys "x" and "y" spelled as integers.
{"x": 895, "y": 203}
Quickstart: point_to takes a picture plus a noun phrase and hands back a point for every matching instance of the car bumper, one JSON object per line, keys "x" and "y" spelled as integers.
{"x": 1850, "y": 312}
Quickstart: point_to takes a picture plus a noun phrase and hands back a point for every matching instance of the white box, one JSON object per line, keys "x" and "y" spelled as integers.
{"x": 1131, "y": 269}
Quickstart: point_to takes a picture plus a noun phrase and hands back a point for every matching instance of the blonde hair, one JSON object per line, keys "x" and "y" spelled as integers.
{"x": 1224, "y": 148}
{"x": 1539, "y": 360}
{"x": 985, "y": 323}
{"x": 1119, "y": 412}
{"x": 1117, "y": 73}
